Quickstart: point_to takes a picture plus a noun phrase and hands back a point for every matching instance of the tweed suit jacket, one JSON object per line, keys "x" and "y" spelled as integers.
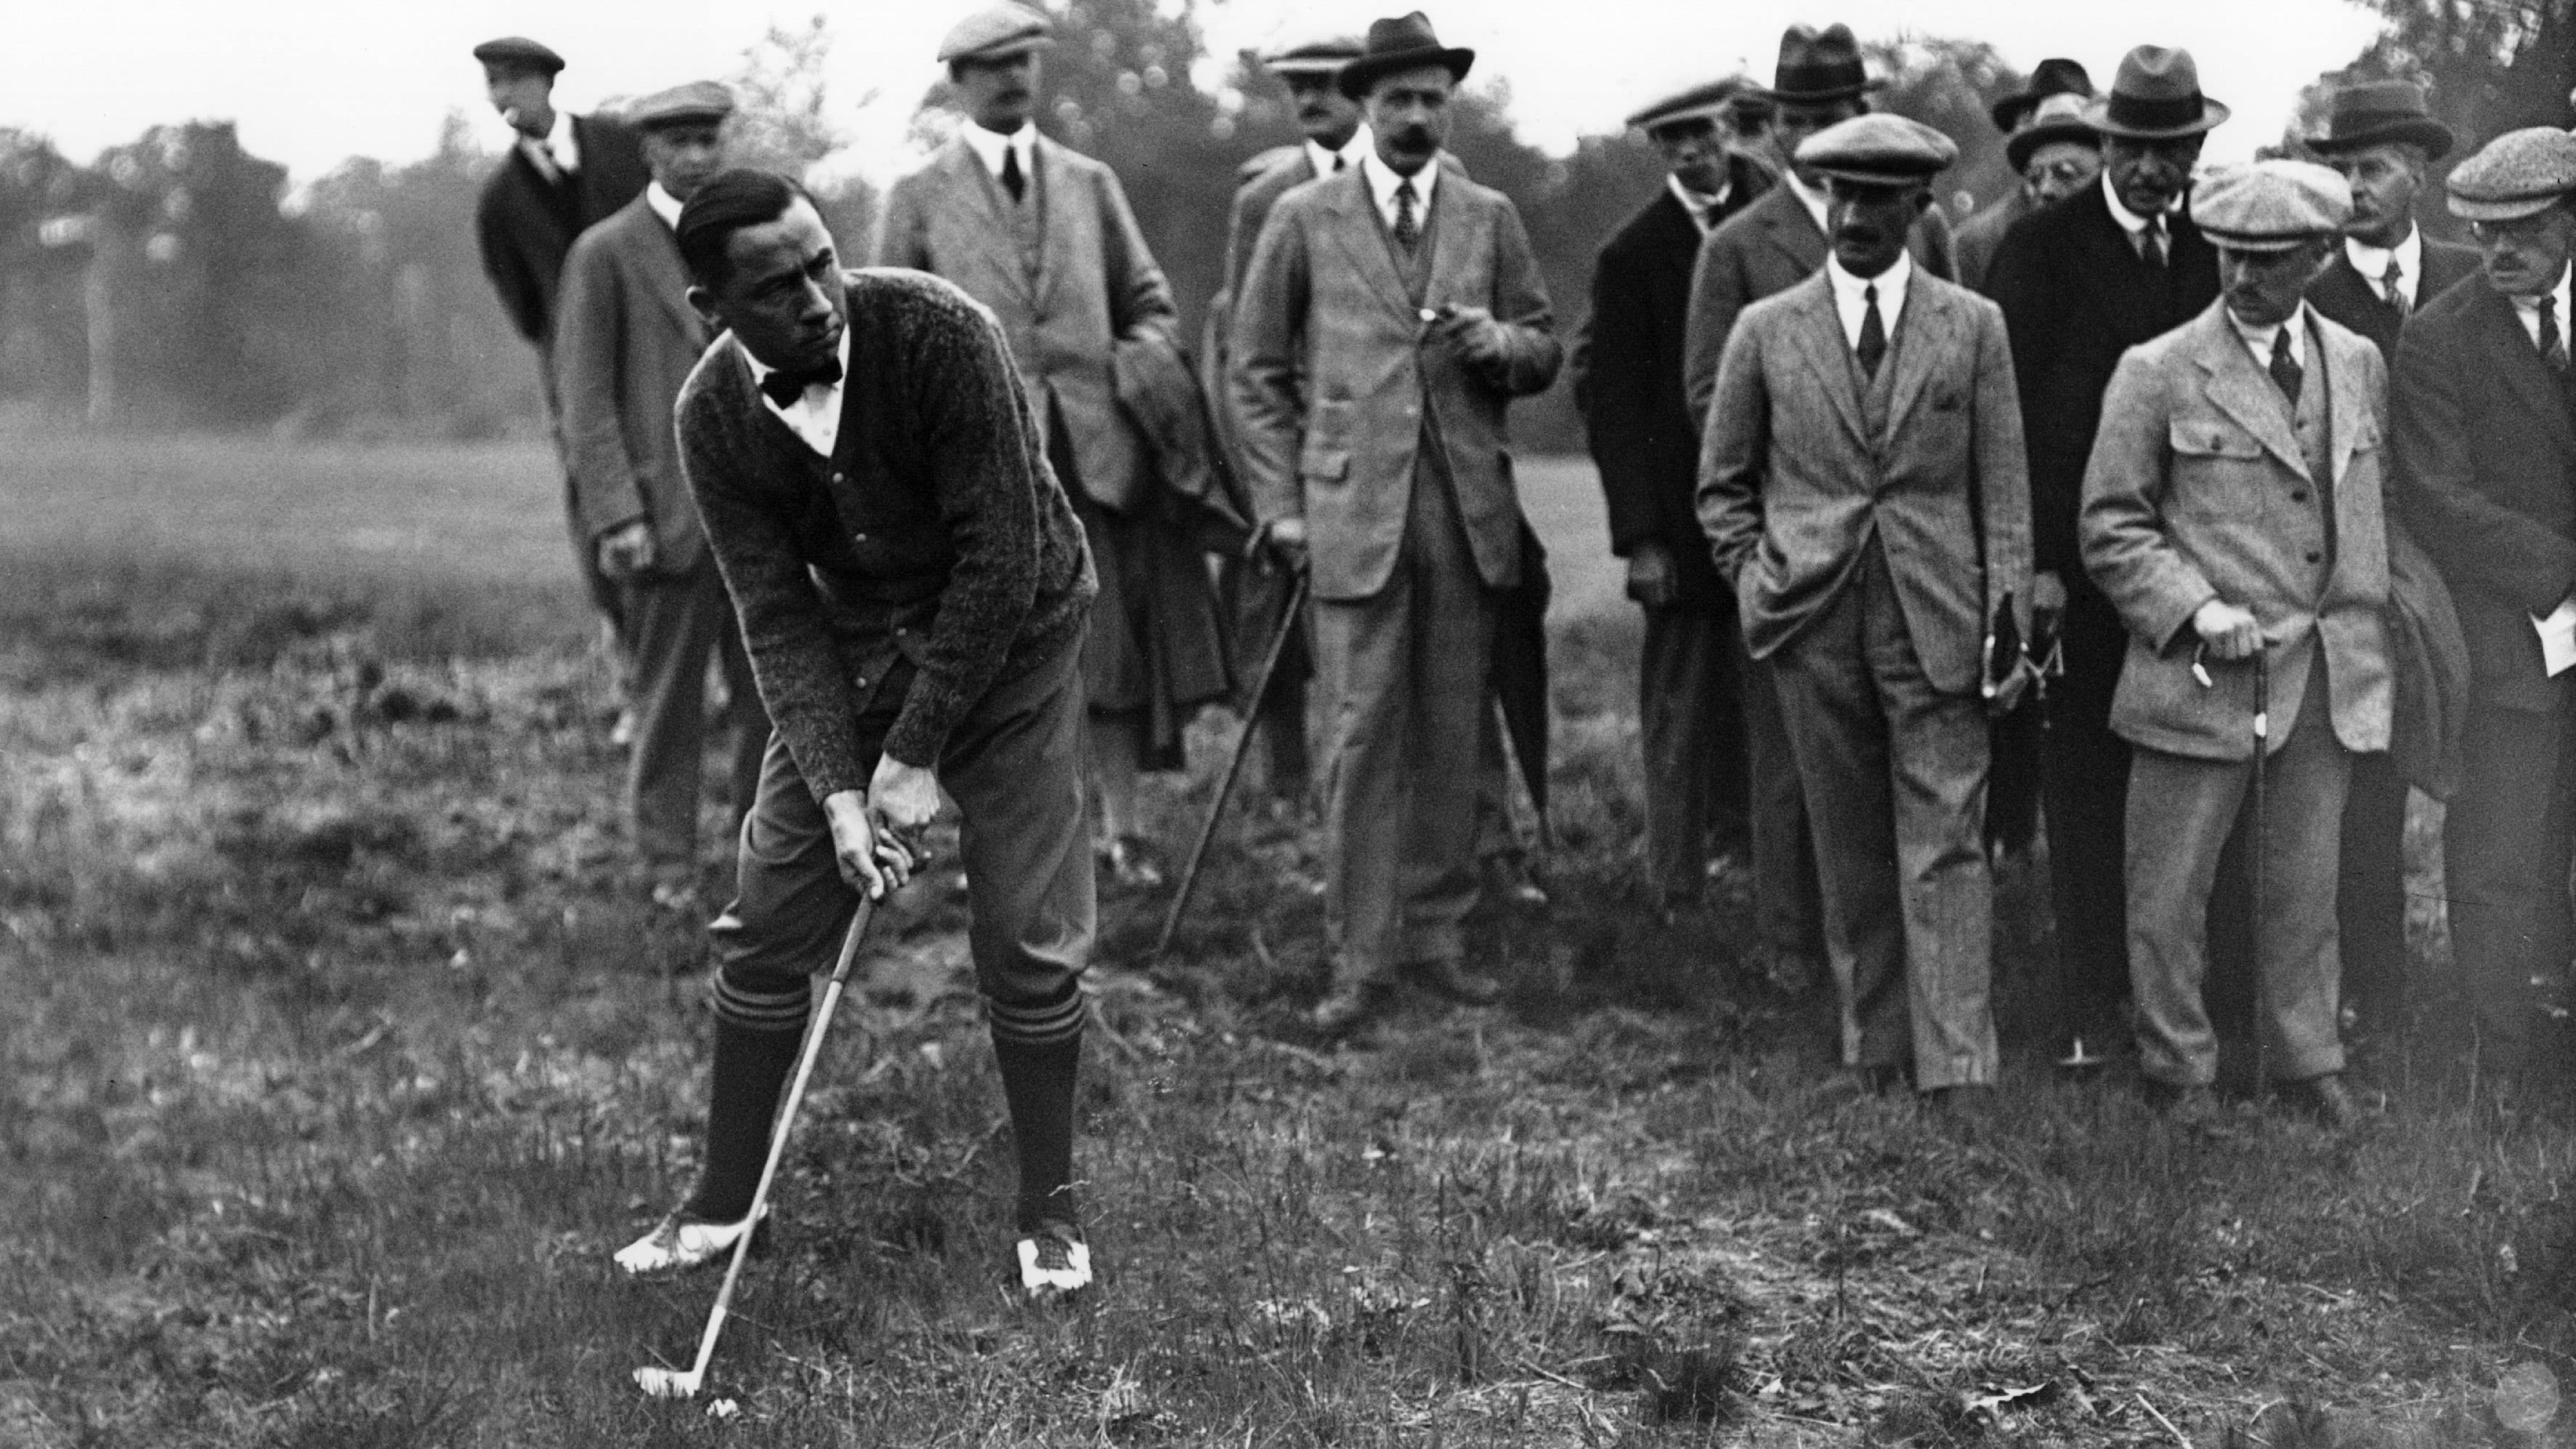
{"x": 2076, "y": 296}
{"x": 2355, "y": 301}
{"x": 1769, "y": 247}
{"x": 1333, "y": 371}
{"x": 2198, "y": 490}
{"x": 1793, "y": 486}
{"x": 526, "y": 224}
{"x": 2486, "y": 453}
{"x": 1637, "y": 420}
{"x": 1095, "y": 285}
{"x": 626, "y": 340}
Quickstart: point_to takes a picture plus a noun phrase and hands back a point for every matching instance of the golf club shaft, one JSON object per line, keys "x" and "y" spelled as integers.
{"x": 805, "y": 1058}
{"x": 2262, "y": 840}
{"x": 1233, "y": 766}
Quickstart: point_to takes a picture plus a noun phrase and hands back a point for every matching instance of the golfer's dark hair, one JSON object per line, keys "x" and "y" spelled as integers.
{"x": 727, "y": 203}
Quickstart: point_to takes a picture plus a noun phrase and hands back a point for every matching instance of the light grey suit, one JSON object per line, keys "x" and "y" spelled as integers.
{"x": 1871, "y": 530}
{"x": 625, "y": 340}
{"x": 1394, "y": 449}
{"x": 2203, "y": 485}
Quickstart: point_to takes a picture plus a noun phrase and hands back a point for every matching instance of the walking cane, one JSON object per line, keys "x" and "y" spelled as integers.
{"x": 1233, "y": 766}
{"x": 2262, "y": 977}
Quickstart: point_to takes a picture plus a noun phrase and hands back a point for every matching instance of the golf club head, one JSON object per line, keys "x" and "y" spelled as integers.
{"x": 665, "y": 1383}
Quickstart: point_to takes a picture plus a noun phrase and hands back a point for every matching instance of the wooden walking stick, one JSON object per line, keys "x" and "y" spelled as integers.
{"x": 2262, "y": 977}
{"x": 1233, "y": 766}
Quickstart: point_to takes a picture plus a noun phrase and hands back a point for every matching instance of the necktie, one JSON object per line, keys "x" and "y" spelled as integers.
{"x": 2151, "y": 242}
{"x": 1340, "y": 161}
{"x": 2388, "y": 288}
{"x": 787, "y": 388}
{"x": 2553, "y": 344}
{"x": 1012, "y": 180}
{"x": 2286, "y": 373}
{"x": 1408, "y": 225}
{"x": 1872, "y": 347}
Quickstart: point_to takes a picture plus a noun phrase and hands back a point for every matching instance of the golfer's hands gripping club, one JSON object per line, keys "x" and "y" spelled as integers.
{"x": 2230, "y": 632}
{"x": 1285, "y": 538}
{"x": 873, "y": 830}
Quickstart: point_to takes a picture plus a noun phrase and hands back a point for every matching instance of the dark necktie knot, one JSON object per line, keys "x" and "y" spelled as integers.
{"x": 2390, "y": 288}
{"x": 1408, "y": 219}
{"x": 1871, "y": 349}
{"x": 786, "y": 388}
{"x": 2286, "y": 372}
{"x": 2151, "y": 242}
{"x": 2553, "y": 343}
{"x": 1014, "y": 180}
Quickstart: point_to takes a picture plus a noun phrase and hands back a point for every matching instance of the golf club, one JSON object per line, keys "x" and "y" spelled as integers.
{"x": 669, "y": 1383}
{"x": 2262, "y": 983}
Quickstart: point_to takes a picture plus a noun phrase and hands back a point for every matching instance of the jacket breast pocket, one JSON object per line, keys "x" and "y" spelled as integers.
{"x": 2211, "y": 438}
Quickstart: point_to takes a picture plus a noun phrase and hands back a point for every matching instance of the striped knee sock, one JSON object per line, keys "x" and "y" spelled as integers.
{"x": 757, "y": 1036}
{"x": 1039, "y": 1051}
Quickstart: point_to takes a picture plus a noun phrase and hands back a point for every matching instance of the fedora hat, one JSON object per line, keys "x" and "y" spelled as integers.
{"x": 1819, "y": 65}
{"x": 2155, "y": 97}
{"x": 2368, "y": 113}
{"x": 2055, "y": 76}
{"x": 2056, "y": 118}
{"x": 1406, "y": 42}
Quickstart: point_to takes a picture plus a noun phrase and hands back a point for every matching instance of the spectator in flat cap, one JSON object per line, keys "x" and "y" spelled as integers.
{"x": 563, "y": 174}
{"x": 1690, "y": 677}
{"x": 2232, "y": 516}
{"x": 624, "y": 344}
{"x": 2051, "y": 149}
{"x": 1862, "y": 488}
{"x": 995, "y": 210}
{"x": 1390, "y": 315}
{"x": 1771, "y": 246}
{"x": 2486, "y": 444}
{"x": 2081, "y": 283}
{"x": 2382, "y": 140}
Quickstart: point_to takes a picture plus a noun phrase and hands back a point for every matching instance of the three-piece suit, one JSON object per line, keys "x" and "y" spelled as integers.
{"x": 1873, "y": 525}
{"x": 2486, "y": 446}
{"x": 1644, "y": 438}
{"x": 1069, "y": 275}
{"x": 1393, "y": 448}
{"x": 625, "y": 342}
{"x": 2207, "y": 482}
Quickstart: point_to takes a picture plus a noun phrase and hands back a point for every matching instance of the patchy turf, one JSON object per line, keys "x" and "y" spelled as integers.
{"x": 339, "y": 1054}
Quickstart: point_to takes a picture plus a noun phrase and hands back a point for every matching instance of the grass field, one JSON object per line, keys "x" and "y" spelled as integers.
{"x": 337, "y": 1056}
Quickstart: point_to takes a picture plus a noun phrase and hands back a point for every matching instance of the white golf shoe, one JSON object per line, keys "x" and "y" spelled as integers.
{"x": 682, "y": 1241}
{"x": 1054, "y": 1263}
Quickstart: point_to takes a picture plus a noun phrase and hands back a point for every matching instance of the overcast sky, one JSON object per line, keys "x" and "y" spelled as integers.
{"x": 313, "y": 81}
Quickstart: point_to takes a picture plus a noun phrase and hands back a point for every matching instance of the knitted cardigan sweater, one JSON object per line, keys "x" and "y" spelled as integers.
{"x": 935, "y": 535}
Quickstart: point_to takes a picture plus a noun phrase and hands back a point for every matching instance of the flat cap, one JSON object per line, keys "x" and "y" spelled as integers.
{"x": 2518, "y": 174}
{"x": 996, "y": 32}
{"x": 1705, "y": 100}
{"x": 1879, "y": 148}
{"x": 1311, "y": 54}
{"x": 696, "y": 101}
{"x": 2270, "y": 206}
{"x": 518, "y": 52}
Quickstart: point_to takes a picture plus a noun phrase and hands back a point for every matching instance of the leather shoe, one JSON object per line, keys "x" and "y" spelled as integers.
{"x": 1884, "y": 1079}
{"x": 685, "y": 1240}
{"x": 1508, "y": 881}
{"x": 2191, "y": 1106}
{"x": 1449, "y": 977}
{"x": 1350, "y": 1007}
{"x": 2326, "y": 1100}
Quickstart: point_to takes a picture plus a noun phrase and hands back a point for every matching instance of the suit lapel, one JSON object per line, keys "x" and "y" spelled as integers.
{"x": 2520, "y": 367}
{"x": 1358, "y": 235}
{"x": 972, "y": 189}
{"x": 1820, "y": 333}
{"x": 1050, "y": 190}
{"x": 1922, "y": 339}
{"x": 1449, "y": 243}
{"x": 1792, "y": 229}
{"x": 2348, "y": 404}
{"x": 2243, "y": 391}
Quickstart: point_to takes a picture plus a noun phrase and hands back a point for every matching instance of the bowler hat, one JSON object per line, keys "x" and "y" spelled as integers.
{"x": 517, "y": 52}
{"x": 680, "y": 105}
{"x": 1404, "y": 43}
{"x": 1879, "y": 149}
{"x": 2055, "y": 76}
{"x": 1706, "y": 100}
{"x": 2155, "y": 97}
{"x": 2369, "y": 113}
{"x": 1820, "y": 65}
{"x": 1320, "y": 55}
{"x": 994, "y": 33}
{"x": 2270, "y": 206}
{"x": 2057, "y": 118}
{"x": 2518, "y": 174}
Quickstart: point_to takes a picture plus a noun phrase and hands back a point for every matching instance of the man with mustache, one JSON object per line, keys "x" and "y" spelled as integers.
{"x": 2486, "y": 442}
{"x": 624, "y": 343}
{"x": 1390, "y": 315}
{"x": 1043, "y": 235}
{"x": 1861, "y": 485}
{"x": 913, "y": 585}
{"x": 2048, "y": 146}
{"x": 1771, "y": 246}
{"x": 2080, "y": 284}
{"x": 2232, "y": 516}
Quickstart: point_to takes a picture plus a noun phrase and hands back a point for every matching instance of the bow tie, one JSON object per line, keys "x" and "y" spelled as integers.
{"x": 787, "y": 388}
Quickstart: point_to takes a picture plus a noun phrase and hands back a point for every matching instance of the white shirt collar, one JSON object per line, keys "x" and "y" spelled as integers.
{"x": 989, "y": 145}
{"x": 1697, "y": 205}
{"x": 815, "y": 417}
{"x": 560, "y": 148}
{"x": 1851, "y": 295}
{"x": 2372, "y": 262}
{"x": 2258, "y": 340}
{"x": 2129, "y": 221}
{"x": 665, "y": 206}
{"x": 1815, "y": 201}
{"x": 1383, "y": 180}
{"x": 2528, "y": 309}
{"x": 1358, "y": 148}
